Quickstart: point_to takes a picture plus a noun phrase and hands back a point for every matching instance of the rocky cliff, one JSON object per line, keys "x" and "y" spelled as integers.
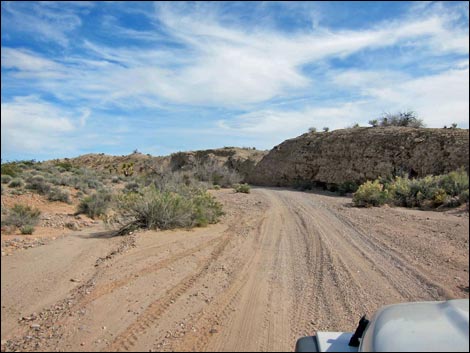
{"x": 358, "y": 154}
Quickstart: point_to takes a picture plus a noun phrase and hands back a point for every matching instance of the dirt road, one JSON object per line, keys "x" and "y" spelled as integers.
{"x": 281, "y": 264}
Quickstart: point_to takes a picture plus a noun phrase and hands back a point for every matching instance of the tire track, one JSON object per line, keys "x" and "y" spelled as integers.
{"x": 144, "y": 321}
{"x": 106, "y": 289}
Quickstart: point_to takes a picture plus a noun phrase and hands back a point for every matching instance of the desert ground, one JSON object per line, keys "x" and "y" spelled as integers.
{"x": 281, "y": 264}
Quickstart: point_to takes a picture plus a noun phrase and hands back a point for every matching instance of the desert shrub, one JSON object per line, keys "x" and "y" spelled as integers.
{"x": 216, "y": 187}
{"x": 115, "y": 180}
{"x": 54, "y": 180}
{"x": 21, "y": 215}
{"x": 58, "y": 194}
{"x": 152, "y": 208}
{"x": 463, "y": 197}
{"x": 206, "y": 209}
{"x": 93, "y": 183}
{"x": 95, "y": 205}
{"x": 10, "y": 169}
{"x": 27, "y": 229}
{"x": 455, "y": 182}
{"x": 6, "y": 179}
{"x": 39, "y": 184}
{"x": 81, "y": 186}
{"x": 212, "y": 172}
{"x": 407, "y": 118}
{"x": 16, "y": 183}
{"x": 370, "y": 194}
{"x": 132, "y": 186}
{"x": 244, "y": 188}
{"x": 447, "y": 190}
{"x": 65, "y": 166}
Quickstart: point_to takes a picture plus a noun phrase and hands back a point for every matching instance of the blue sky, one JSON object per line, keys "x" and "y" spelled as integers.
{"x": 111, "y": 77}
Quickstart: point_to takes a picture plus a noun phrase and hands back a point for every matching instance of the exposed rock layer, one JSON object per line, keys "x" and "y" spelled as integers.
{"x": 354, "y": 155}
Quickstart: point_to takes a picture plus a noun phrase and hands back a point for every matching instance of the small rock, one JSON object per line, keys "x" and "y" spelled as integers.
{"x": 36, "y": 326}
{"x": 74, "y": 280}
{"x": 104, "y": 327}
{"x": 82, "y": 344}
{"x": 213, "y": 330}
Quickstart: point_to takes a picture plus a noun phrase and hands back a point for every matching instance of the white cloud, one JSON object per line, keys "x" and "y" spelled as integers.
{"x": 26, "y": 60}
{"x": 30, "y": 124}
{"x": 440, "y": 99}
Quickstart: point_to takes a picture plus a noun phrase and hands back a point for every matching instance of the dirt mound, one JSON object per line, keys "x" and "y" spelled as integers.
{"x": 355, "y": 155}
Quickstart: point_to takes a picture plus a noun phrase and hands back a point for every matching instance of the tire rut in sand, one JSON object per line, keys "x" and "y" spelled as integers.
{"x": 151, "y": 314}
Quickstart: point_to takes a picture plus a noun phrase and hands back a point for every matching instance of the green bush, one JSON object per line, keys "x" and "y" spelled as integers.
{"x": 16, "y": 183}
{"x": 66, "y": 166}
{"x": 57, "y": 194}
{"x": 21, "y": 215}
{"x": 370, "y": 194}
{"x": 27, "y": 229}
{"x": 447, "y": 190}
{"x": 463, "y": 197}
{"x": 206, "y": 209}
{"x": 6, "y": 179}
{"x": 10, "y": 169}
{"x": 454, "y": 183}
{"x": 245, "y": 188}
{"x": 95, "y": 205}
{"x": 155, "y": 209}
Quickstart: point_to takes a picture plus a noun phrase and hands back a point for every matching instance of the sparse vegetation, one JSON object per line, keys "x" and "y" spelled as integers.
{"x": 16, "y": 183}
{"x": 58, "y": 194}
{"x": 152, "y": 208}
{"x": 10, "y": 169}
{"x": 312, "y": 129}
{"x": 66, "y": 166}
{"x": 39, "y": 184}
{"x": 407, "y": 119}
{"x": 326, "y": 129}
{"x": 95, "y": 205}
{"x": 21, "y": 215}
{"x": 6, "y": 179}
{"x": 244, "y": 188}
{"x": 27, "y": 229}
{"x": 212, "y": 172}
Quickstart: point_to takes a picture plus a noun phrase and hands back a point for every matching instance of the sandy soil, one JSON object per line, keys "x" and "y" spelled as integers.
{"x": 280, "y": 265}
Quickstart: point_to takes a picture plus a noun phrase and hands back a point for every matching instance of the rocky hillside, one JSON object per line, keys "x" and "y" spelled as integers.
{"x": 242, "y": 160}
{"x": 354, "y": 155}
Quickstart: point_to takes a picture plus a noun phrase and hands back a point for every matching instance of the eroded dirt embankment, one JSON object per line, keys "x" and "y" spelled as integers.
{"x": 280, "y": 265}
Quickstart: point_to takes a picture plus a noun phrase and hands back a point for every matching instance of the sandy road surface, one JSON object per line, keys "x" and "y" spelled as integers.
{"x": 280, "y": 265}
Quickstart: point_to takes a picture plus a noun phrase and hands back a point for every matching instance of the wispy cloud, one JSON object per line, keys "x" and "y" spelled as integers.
{"x": 270, "y": 78}
{"x": 46, "y": 21}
